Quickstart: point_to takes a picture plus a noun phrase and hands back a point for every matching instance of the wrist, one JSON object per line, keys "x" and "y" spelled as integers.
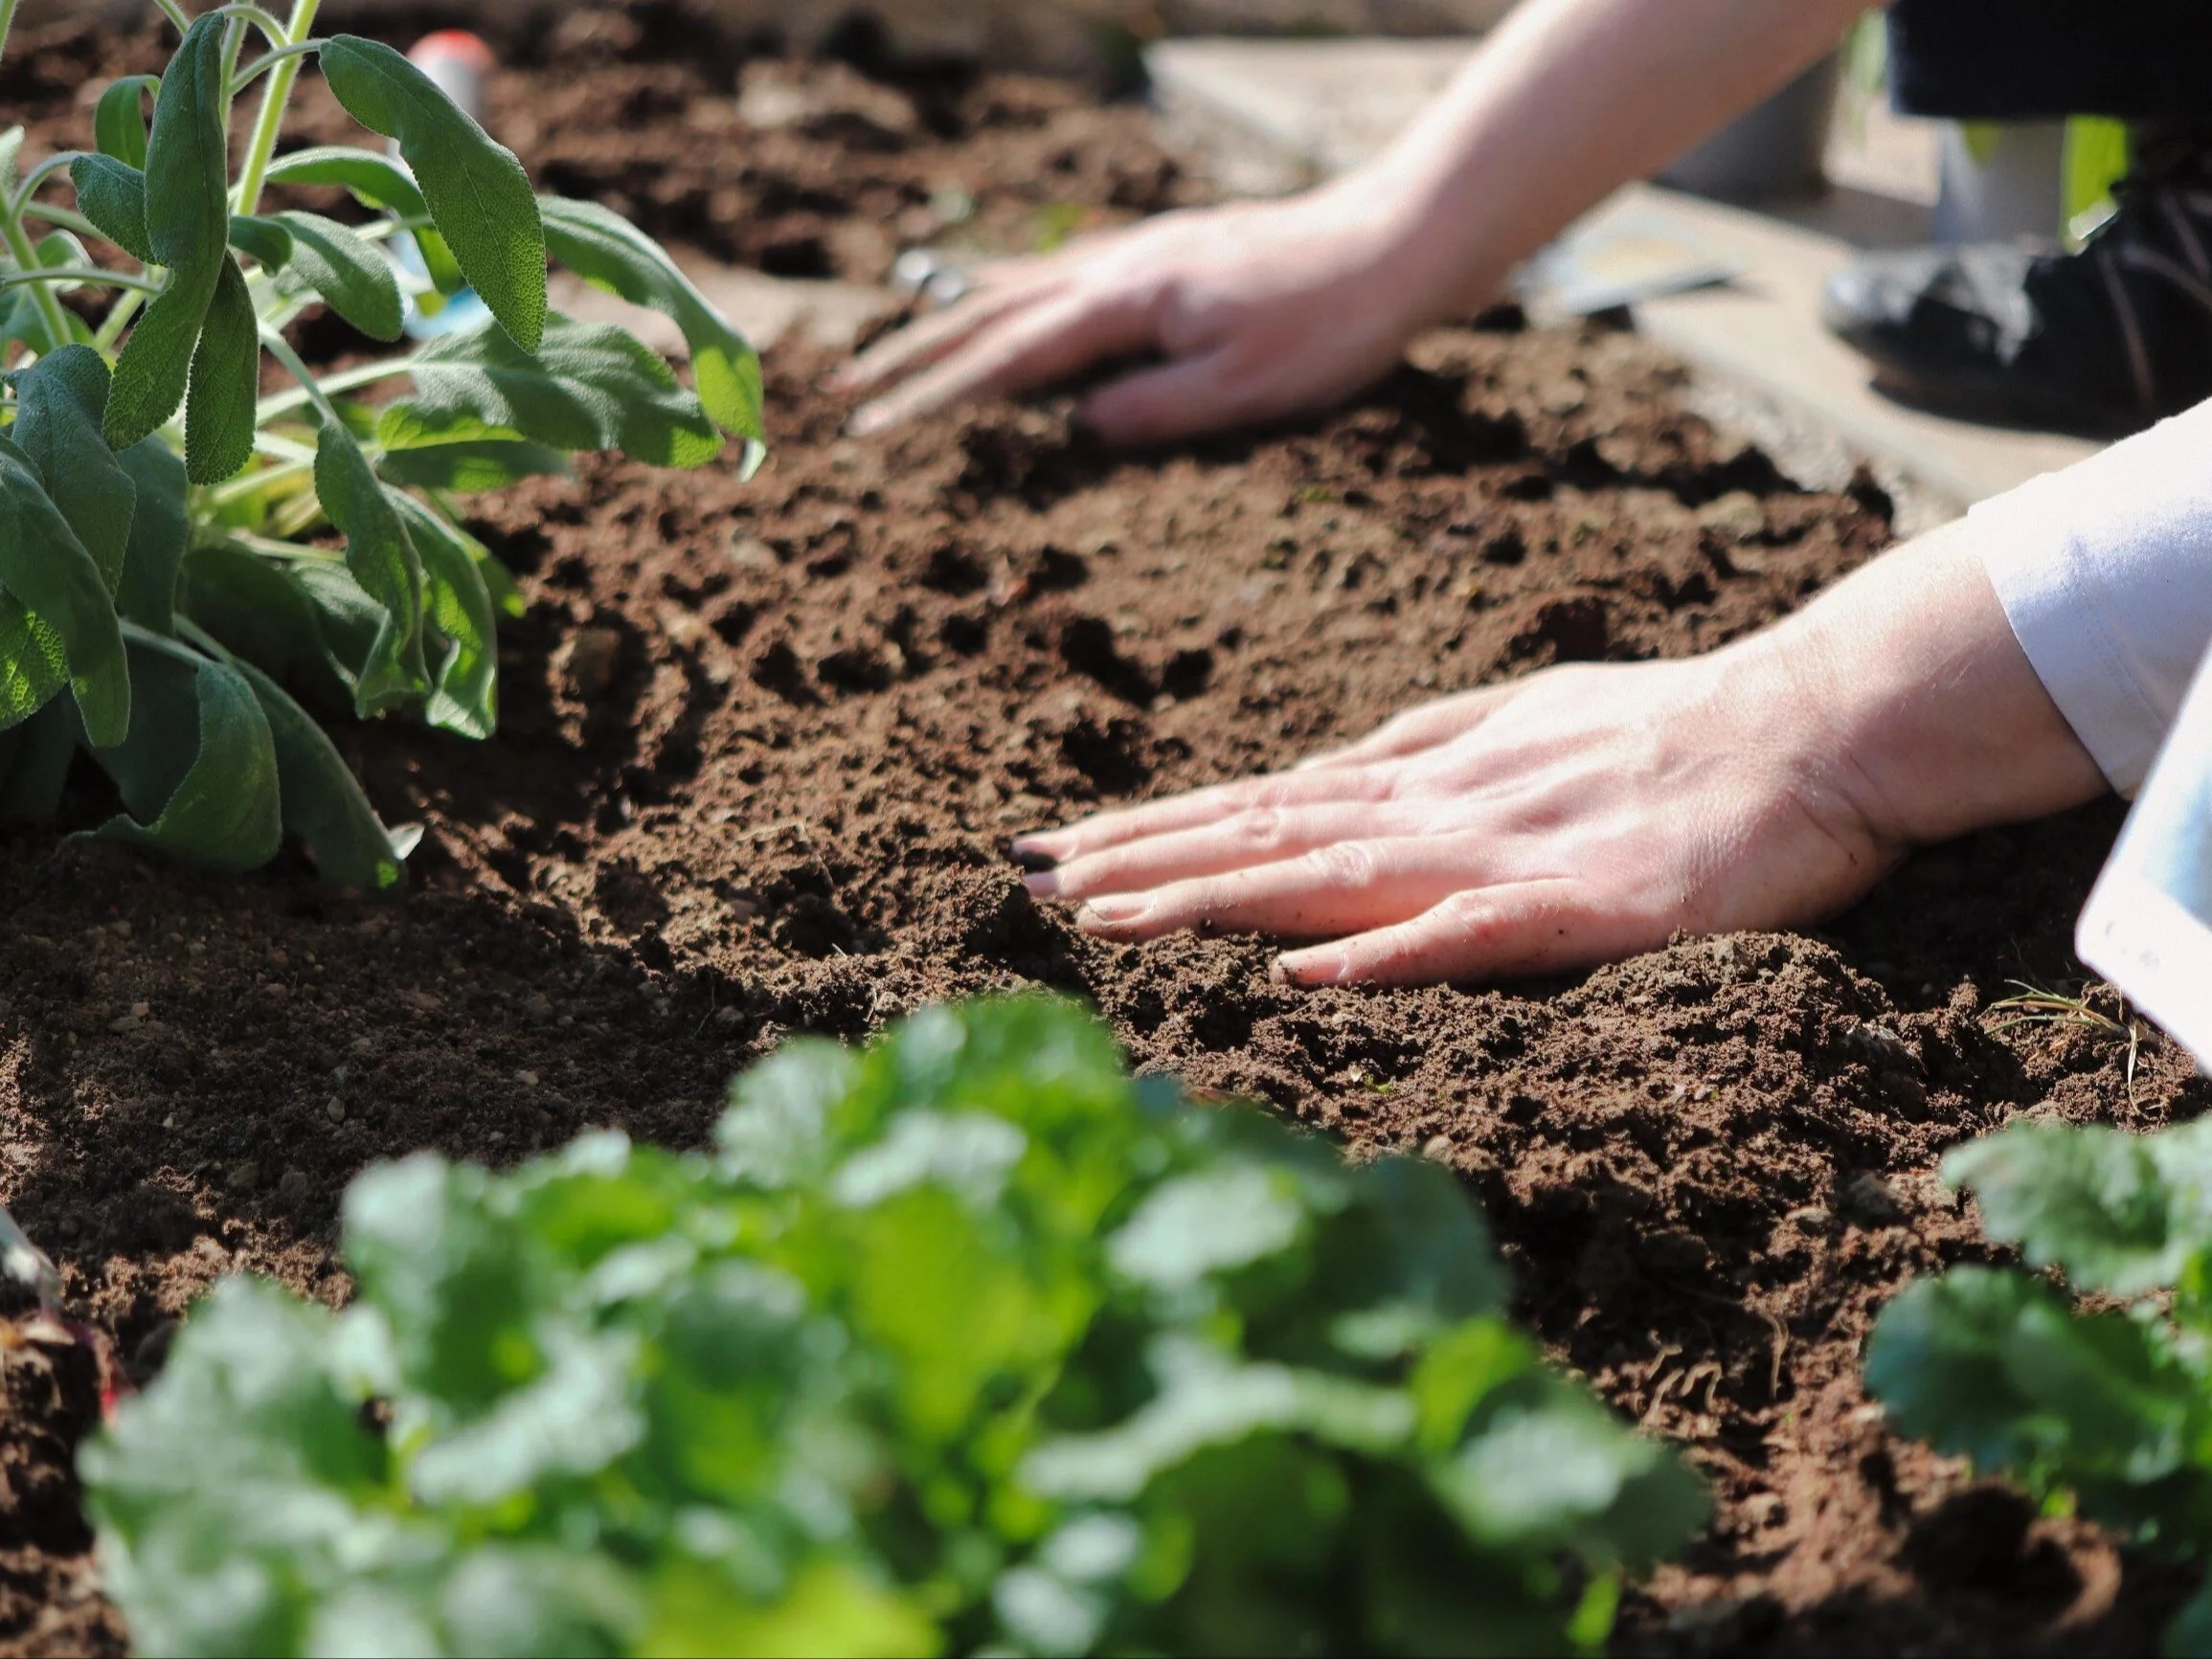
{"x": 1908, "y": 695}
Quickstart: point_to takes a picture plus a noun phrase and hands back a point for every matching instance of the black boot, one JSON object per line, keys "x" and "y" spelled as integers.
{"x": 2104, "y": 341}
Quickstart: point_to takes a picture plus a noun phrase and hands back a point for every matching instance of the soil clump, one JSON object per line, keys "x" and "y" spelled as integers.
{"x": 762, "y": 746}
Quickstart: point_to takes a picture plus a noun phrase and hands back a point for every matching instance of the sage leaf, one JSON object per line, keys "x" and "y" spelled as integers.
{"x": 119, "y": 118}
{"x": 188, "y": 226}
{"x": 61, "y": 402}
{"x": 471, "y": 465}
{"x": 112, "y": 194}
{"x": 197, "y": 770}
{"x": 46, "y": 569}
{"x": 323, "y": 803}
{"x": 225, "y": 382}
{"x": 159, "y": 530}
{"x": 610, "y": 253}
{"x": 384, "y": 562}
{"x": 378, "y": 182}
{"x": 590, "y": 387}
{"x": 465, "y": 694}
{"x": 475, "y": 188}
{"x": 38, "y": 756}
{"x": 352, "y": 276}
{"x": 263, "y": 240}
{"x": 267, "y": 616}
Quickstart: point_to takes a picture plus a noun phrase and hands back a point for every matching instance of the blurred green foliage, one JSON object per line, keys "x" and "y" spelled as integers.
{"x": 967, "y": 1342}
{"x": 2107, "y": 1410}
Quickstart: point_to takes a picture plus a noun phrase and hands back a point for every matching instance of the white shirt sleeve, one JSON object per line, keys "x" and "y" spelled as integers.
{"x": 2105, "y": 571}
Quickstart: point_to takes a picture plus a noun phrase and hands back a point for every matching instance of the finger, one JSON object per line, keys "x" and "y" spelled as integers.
{"x": 1161, "y": 405}
{"x": 1198, "y": 807}
{"x": 1240, "y": 840}
{"x": 926, "y": 341}
{"x": 1481, "y": 933}
{"x": 1348, "y": 888}
{"x": 1416, "y": 729}
{"x": 1045, "y": 341}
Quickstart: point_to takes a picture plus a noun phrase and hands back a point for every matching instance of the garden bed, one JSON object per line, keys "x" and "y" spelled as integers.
{"x": 763, "y": 744}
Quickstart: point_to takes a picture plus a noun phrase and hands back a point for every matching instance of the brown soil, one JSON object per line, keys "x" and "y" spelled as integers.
{"x": 763, "y": 744}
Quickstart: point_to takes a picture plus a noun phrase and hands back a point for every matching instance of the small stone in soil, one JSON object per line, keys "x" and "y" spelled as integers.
{"x": 245, "y": 1178}
{"x": 591, "y": 656}
{"x": 292, "y": 1186}
{"x": 334, "y": 1109}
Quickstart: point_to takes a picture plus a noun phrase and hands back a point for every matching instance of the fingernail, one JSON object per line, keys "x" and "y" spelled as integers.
{"x": 1043, "y": 885}
{"x": 1309, "y": 970}
{"x": 1025, "y": 854}
{"x": 869, "y": 419}
{"x": 1112, "y": 912}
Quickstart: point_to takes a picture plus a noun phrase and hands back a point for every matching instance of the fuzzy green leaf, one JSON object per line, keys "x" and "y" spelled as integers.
{"x": 270, "y": 616}
{"x": 465, "y": 695}
{"x": 159, "y": 530}
{"x": 591, "y": 387}
{"x": 610, "y": 253}
{"x": 112, "y": 194}
{"x": 378, "y": 182}
{"x": 475, "y": 188}
{"x": 119, "y": 118}
{"x": 321, "y": 801}
{"x": 60, "y": 403}
{"x": 352, "y": 276}
{"x": 70, "y": 613}
{"x": 382, "y": 559}
{"x": 225, "y": 382}
{"x": 198, "y": 770}
{"x": 2119, "y": 1213}
{"x": 263, "y": 240}
{"x": 471, "y": 465}
{"x": 1995, "y": 1366}
{"x": 35, "y": 770}
{"x": 188, "y": 226}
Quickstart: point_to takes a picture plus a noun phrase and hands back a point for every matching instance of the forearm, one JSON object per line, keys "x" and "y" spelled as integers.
{"x": 1565, "y": 102}
{"x": 1940, "y": 723}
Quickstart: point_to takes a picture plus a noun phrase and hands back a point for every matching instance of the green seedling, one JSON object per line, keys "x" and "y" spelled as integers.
{"x": 189, "y": 566}
{"x": 969, "y": 1342}
{"x": 2107, "y": 1411}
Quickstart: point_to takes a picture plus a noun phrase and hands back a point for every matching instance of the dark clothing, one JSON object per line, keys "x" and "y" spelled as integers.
{"x": 2046, "y": 59}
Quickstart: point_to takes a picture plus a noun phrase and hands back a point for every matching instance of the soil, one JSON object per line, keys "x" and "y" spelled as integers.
{"x": 762, "y": 746}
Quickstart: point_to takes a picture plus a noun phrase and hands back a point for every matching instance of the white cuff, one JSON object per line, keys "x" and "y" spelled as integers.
{"x": 2105, "y": 573}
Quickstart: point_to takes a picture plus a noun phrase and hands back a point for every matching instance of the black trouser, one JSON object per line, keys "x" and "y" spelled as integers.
{"x": 2044, "y": 60}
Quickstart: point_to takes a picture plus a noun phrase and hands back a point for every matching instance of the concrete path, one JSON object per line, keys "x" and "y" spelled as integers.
{"x": 1273, "y": 116}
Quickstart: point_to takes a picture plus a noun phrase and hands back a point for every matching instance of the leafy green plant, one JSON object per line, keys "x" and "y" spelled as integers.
{"x": 2108, "y": 1409}
{"x": 968, "y": 1342}
{"x": 181, "y": 555}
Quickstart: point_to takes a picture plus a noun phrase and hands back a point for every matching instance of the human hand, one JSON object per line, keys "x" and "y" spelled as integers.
{"x": 1585, "y": 814}
{"x": 1261, "y": 309}
{"x": 1593, "y": 811}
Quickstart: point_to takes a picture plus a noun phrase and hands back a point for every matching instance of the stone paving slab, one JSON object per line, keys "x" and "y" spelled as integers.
{"x": 1278, "y": 115}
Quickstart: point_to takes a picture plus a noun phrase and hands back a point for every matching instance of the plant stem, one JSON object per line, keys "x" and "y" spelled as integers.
{"x": 26, "y": 259}
{"x": 174, "y": 12}
{"x": 98, "y": 275}
{"x": 274, "y": 100}
{"x": 345, "y": 380}
{"x": 119, "y": 318}
{"x": 19, "y": 244}
{"x": 280, "y": 349}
